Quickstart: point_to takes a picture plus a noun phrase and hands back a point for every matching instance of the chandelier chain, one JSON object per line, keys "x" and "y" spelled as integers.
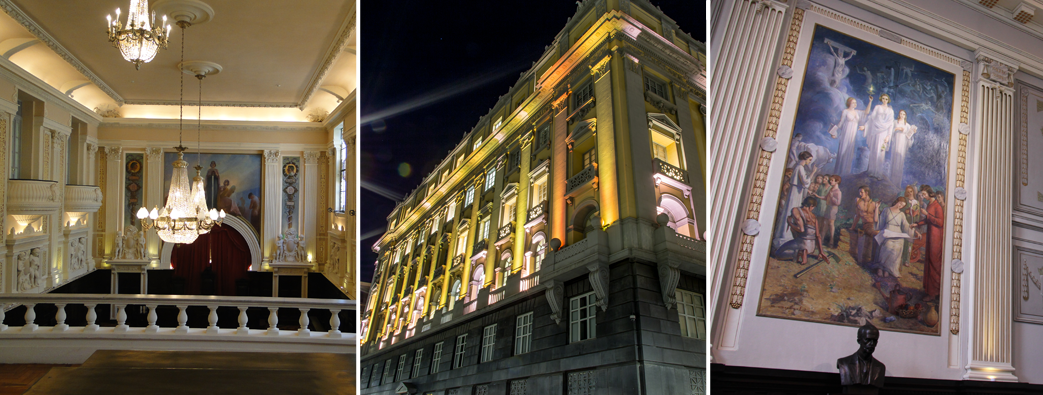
{"x": 181, "y": 100}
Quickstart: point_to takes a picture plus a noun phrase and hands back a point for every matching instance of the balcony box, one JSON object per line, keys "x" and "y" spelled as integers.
{"x": 39, "y": 197}
{"x": 82, "y": 198}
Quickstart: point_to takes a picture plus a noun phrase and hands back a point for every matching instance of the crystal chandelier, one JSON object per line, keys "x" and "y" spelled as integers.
{"x": 138, "y": 41}
{"x": 185, "y": 215}
{"x": 206, "y": 219}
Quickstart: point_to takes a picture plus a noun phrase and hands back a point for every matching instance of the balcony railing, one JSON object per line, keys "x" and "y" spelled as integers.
{"x": 537, "y": 211}
{"x": 505, "y": 231}
{"x": 458, "y": 261}
{"x": 182, "y": 331}
{"x": 528, "y": 282}
{"x": 439, "y": 271}
{"x": 496, "y": 296}
{"x": 480, "y": 246}
{"x": 588, "y": 174}
{"x": 670, "y": 171}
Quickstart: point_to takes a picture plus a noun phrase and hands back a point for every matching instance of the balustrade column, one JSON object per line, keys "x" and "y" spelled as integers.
{"x": 273, "y": 321}
{"x": 2, "y": 316}
{"x": 152, "y": 317}
{"x": 30, "y": 318}
{"x": 121, "y": 319}
{"x": 182, "y": 319}
{"x": 991, "y": 352}
{"x": 212, "y": 328}
{"x": 334, "y": 323}
{"x": 304, "y": 331}
{"x": 92, "y": 316}
{"x": 243, "y": 329}
{"x": 59, "y": 318}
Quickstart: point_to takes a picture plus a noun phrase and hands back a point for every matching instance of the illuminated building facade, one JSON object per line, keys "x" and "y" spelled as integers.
{"x": 559, "y": 247}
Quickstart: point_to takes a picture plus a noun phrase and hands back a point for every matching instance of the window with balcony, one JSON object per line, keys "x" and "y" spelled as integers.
{"x": 477, "y": 282}
{"x": 436, "y": 357}
{"x": 458, "y": 356}
{"x": 523, "y": 333}
{"x": 582, "y": 317}
{"x": 539, "y": 191}
{"x": 664, "y": 148}
{"x": 416, "y": 363}
{"x": 488, "y": 342}
{"x": 691, "y": 313}
{"x": 590, "y": 157}
{"x": 582, "y": 95}
{"x": 508, "y": 214}
{"x": 539, "y": 250}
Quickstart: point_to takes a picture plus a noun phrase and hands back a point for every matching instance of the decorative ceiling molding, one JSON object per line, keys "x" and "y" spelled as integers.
{"x": 331, "y": 57}
{"x": 33, "y": 85}
{"x": 18, "y": 15}
{"x": 258, "y": 126}
{"x": 212, "y": 103}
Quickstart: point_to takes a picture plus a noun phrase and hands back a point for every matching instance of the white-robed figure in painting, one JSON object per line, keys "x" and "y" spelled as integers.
{"x": 799, "y": 184}
{"x": 900, "y": 142}
{"x": 880, "y": 124}
{"x": 895, "y": 230}
{"x": 846, "y": 130}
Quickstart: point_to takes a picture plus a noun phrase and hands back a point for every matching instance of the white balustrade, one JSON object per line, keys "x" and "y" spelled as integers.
{"x": 528, "y": 282}
{"x": 152, "y": 302}
{"x": 496, "y": 296}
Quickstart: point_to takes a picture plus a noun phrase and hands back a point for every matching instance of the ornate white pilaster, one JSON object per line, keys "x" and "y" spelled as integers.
{"x": 113, "y": 196}
{"x": 272, "y": 202}
{"x": 154, "y": 193}
{"x": 310, "y": 198}
{"x": 749, "y": 41}
{"x": 990, "y": 321}
{"x": 608, "y": 186}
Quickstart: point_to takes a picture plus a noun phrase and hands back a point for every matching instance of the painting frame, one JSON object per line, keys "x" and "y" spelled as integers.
{"x": 1023, "y": 144}
{"x": 252, "y": 183}
{"x": 788, "y": 118}
{"x": 1027, "y": 285}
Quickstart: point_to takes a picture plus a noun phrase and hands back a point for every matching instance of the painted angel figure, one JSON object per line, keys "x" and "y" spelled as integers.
{"x": 847, "y": 128}
{"x": 900, "y": 142}
{"x": 880, "y": 124}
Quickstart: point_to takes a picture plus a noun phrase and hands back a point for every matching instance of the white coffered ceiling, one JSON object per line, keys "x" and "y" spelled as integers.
{"x": 282, "y": 60}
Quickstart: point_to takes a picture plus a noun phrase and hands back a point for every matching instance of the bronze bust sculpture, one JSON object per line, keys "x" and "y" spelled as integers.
{"x": 860, "y": 372}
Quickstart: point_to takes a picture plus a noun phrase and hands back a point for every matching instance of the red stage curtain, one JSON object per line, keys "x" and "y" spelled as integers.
{"x": 223, "y": 246}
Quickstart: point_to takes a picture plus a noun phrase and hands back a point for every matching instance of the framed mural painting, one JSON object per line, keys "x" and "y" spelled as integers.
{"x": 861, "y": 228}
{"x": 232, "y": 183}
{"x": 1029, "y": 178}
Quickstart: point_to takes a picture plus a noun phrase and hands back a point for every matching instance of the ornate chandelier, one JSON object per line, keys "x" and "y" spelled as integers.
{"x": 138, "y": 41}
{"x": 185, "y": 215}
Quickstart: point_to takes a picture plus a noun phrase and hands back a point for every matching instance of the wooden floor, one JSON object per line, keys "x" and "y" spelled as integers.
{"x": 16, "y": 379}
{"x": 180, "y": 372}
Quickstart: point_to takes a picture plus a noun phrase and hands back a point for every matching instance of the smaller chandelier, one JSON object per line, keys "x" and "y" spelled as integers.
{"x": 138, "y": 41}
{"x": 182, "y": 220}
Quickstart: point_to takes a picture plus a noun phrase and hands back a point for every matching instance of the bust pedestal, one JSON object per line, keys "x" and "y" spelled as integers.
{"x": 290, "y": 269}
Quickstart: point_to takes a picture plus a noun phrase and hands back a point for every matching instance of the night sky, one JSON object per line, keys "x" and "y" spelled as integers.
{"x": 430, "y": 69}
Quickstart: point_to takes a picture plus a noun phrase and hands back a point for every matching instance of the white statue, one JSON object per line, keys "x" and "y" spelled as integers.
{"x": 289, "y": 248}
{"x": 118, "y": 253}
{"x": 24, "y": 278}
{"x": 36, "y": 272}
{"x": 140, "y": 246}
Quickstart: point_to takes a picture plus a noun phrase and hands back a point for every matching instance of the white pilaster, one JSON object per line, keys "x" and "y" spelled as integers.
{"x": 272, "y": 202}
{"x": 310, "y": 199}
{"x": 990, "y": 356}
{"x": 153, "y": 194}
{"x": 113, "y": 197}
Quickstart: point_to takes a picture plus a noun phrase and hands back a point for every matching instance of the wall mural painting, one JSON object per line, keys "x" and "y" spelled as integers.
{"x": 1030, "y": 178}
{"x": 133, "y": 189}
{"x": 858, "y": 234}
{"x": 233, "y": 183}
{"x": 290, "y": 192}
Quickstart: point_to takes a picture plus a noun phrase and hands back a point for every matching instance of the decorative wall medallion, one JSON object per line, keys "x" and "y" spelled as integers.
{"x": 964, "y": 128}
{"x": 769, "y": 144}
{"x": 785, "y": 72}
{"x": 960, "y": 193}
{"x": 957, "y": 266}
{"x": 751, "y": 227}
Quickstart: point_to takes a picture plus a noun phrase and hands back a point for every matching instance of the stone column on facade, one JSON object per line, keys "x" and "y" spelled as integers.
{"x": 492, "y": 259}
{"x": 691, "y": 159}
{"x": 991, "y": 353}
{"x": 59, "y": 173}
{"x": 154, "y": 195}
{"x": 749, "y": 41}
{"x": 310, "y": 197}
{"x": 5, "y": 171}
{"x": 558, "y": 169}
{"x": 113, "y": 196}
{"x": 522, "y": 209}
{"x": 443, "y": 299}
{"x": 472, "y": 235}
{"x": 640, "y": 170}
{"x": 609, "y": 167}
{"x": 272, "y": 203}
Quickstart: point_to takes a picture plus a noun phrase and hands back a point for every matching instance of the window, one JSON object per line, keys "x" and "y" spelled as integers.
{"x": 434, "y": 224}
{"x": 692, "y": 314}
{"x": 452, "y": 211}
{"x": 659, "y": 151}
{"x": 456, "y": 294}
{"x": 583, "y": 94}
{"x": 477, "y": 143}
{"x": 342, "y": 181}
{"x": 582, "y": 314}
{"x": 485, "y": 228}
{"x": 541, "y": 251}
{"x": 490, "y": 179}
{"x": 461, "y": 242}
{"x": 508, "y": 212}
{"x": 539, "y": 191}
{"x": 590, "y": 157}
{"x": 469, "y": 198}
{"x": 436, "y": 357}
{"x": 365, "y": 377}
{"x": 388, "y": 375}
{"x": 488, "y": 342}
{"x": 401, "y": 368}
{"x": 505, "y": 265}
{"x": 458, "y": 357}
{"x": 499, "y": 122}
{"x": 416, "y": 363}
{"x": 656, "y": 87}
{"x": 445, "y": 175}
{"x": 523, "y": 333}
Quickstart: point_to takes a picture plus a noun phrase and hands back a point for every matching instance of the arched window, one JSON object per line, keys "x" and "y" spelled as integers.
{"x": 506, "y": 261}
{"x": 678, "y": 213}
{"x": 455, "y": 294}
{"x": 537, "y": 252}
{"x": 418, "y": 309}
{"x": 477, "y": 280}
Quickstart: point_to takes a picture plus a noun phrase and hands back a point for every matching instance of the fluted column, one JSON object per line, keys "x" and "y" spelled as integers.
{"x": 272, "y": 202}
{"x": 990, "y": 356}
{"x": 59, "y": 173}
{"x": 310, "y": 197}
{"x": 113, "y": 186}
{"x": 608, "y": 172}
{"x": 559, "y": 170}
{"x": 744, "y": 65}
{"x": 522, "y": 208}
{"x": 154, "y": 194}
